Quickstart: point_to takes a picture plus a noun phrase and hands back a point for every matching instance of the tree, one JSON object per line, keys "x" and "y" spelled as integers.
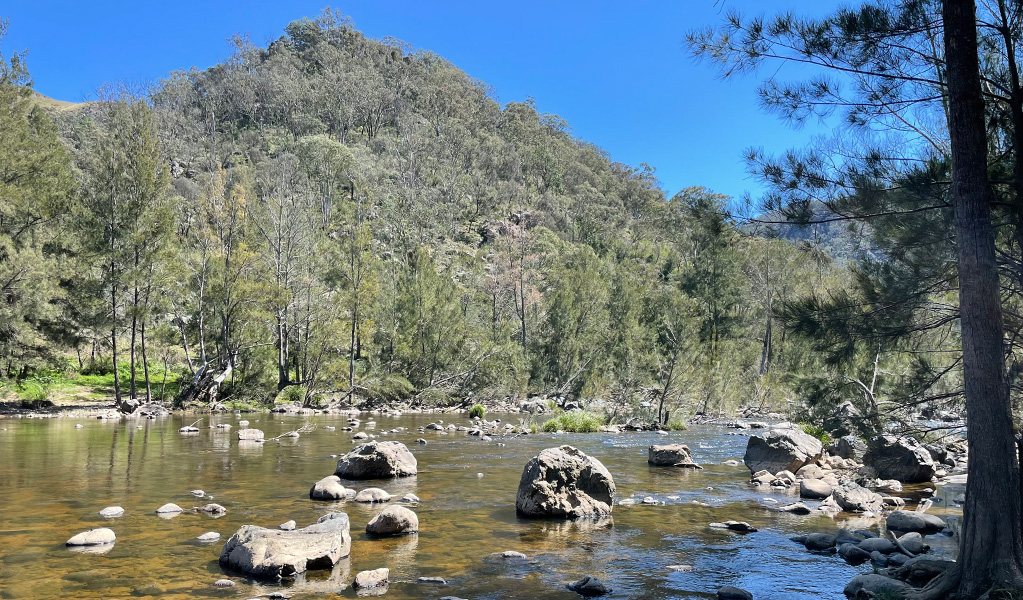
{"x": 36, "y": 192}
{"x": 911, "y": 69}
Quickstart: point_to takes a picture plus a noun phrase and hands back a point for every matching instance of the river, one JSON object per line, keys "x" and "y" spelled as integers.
{"x": 56, "y": 478}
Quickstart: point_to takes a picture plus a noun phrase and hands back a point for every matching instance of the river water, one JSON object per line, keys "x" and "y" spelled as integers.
{"x": 55, "y": 478}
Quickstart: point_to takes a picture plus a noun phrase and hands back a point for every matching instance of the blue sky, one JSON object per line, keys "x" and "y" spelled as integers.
{"x": 616, "y": 71}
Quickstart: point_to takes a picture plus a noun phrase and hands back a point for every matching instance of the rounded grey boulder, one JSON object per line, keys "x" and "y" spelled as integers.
{"x": 328, "y": 488}
{"x": 904, "y": 520}
{"x": 377, "y": 460}
{"x": 372, "y": 495}
{"x": 393, "y": 520}
{"x": 564, "y": 482}
{"x": 814, "y": 489}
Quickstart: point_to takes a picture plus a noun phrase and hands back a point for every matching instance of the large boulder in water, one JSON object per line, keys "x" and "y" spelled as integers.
{"x": 564, "y": 482}
{"x": 377, "y": 460}
{"x": 871, "y": 585}
{"x": 671, "y": 455}
{"x": 782, "y": 450}
{"x": 907, "y": 520}
{"x": 849, "y": 447}
{"x": 900, "y": 458}
{"x": 853, "y": 497}
{"x": 274, "y": 553}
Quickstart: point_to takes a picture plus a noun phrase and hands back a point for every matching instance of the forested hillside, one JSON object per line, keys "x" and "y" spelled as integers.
{"x": 339, "y": 219}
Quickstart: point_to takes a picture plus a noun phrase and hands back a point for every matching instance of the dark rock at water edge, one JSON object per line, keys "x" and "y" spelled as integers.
{"x": 589, "y": 586}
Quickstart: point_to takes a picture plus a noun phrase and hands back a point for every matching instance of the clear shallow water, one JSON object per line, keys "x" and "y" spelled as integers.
{"x": 54, "y": 479}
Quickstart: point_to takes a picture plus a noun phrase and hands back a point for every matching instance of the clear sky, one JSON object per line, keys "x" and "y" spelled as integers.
{"x": 618, "y": 72}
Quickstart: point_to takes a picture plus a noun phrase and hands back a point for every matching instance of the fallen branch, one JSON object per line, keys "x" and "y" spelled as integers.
{"x": 307, "y": 428}
{"x": 899, "y": 545}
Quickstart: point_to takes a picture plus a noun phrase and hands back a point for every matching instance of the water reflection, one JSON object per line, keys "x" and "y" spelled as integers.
{"x": 463, "y": 518}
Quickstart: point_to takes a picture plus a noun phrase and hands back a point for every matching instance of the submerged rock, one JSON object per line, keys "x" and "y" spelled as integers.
{"x": 671, "y": 455}
{"x": 729, "y": 592}
{"x": 589, "y": 586}
{"x": 369, "y": 495}
{"x": 377, "y": 460}
{"x": 782, "y": 450}
{"x": 564, "y": 482}
{"x": 210, "y": 536}
{"x": 111, "y": 512}
{"x": 393, "y": 520}
{"x": 93, "y": 537}
{"x": 254, "y": 435}
{"x": 273, "y": 553}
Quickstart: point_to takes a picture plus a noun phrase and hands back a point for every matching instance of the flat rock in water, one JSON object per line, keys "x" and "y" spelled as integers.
{"x": 797, "y": 508}
{"x": 853, "y": 554}
{"x": 168, "y": 509}
{"x": 93, "y": 537}
{"x": 372, "y": 495}
{"x": 729, "y": 592}
{"x": 198, "y": 493}
{"x": 371, "y": 579}
{"x": 564, "y": 482}
{"x": 377, "y": 460}
{"x": 589, "y": 586}
{"x": 274, "y": 554}
{"x": 254, "y": 435}
{"x": 328, "y": 488}
{"x": 432, "y": 580}
{"x": 877, "y": 545}
{"x": 410, "y": 497}
{"x": 287, "y": 526}
{"x": 111, "y": 512}
{"x": 210, "y": 536}
{"x": 223, "y": 583}
{"x": 904, "y": 520}
{"x": 393, "y": 520}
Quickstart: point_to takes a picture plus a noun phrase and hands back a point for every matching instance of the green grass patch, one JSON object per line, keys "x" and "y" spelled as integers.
{"x": 576, "y": 421}
{"x": 677, "y": 425}
{"x": 477, "y": 411}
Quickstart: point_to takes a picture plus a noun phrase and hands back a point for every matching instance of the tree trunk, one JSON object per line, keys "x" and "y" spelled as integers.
{"x": 145, "y": 362}
{"x": 113, "y": 332}
{"x": 990, "y": 546}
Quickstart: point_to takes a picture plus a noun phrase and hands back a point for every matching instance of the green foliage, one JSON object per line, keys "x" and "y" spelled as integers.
{"x": 677, "y": 425}
{"x": 390, "y": 388}
{"x": 576, "y": 421}
{"x": 817, "y": 431}
{"x": 292, "y": 394}
{"x": 476, "y": 411}
{"x": 35, "y": 389}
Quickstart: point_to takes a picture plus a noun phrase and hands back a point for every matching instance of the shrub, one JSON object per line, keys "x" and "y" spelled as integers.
{"x": 817, "y": 431}
{"x": 477, "y": 411}
{"x": 102, "y": 366}
{"x": 36, "y": 389}
{"x": 390, "y": 388}
{"x": 576, "y": 421}
{"x": 293, "y": 394}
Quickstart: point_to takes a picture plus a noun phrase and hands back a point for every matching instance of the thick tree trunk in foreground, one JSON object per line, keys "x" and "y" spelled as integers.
{"x": 990, "y": 548}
